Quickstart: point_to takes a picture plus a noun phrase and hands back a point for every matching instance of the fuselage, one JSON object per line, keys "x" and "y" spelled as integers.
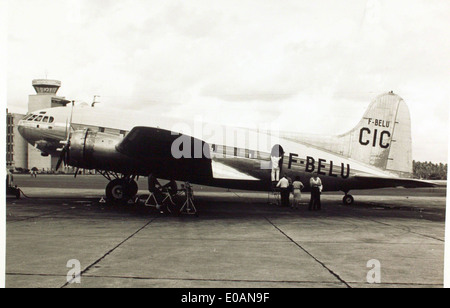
{"x": 237, "y": 154}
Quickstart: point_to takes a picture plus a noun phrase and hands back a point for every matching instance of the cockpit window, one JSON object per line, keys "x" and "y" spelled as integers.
{"x": 51, "y": 120}
{"x": 38, "y": 118}
{"x": 32, "y": 117}
{"x": 45, "y": 120}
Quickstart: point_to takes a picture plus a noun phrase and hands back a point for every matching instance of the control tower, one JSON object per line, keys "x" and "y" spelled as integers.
{"x": 44, "y": 98}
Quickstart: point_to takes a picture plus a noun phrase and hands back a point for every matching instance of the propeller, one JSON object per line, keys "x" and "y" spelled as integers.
{"x": 64, "y": 156}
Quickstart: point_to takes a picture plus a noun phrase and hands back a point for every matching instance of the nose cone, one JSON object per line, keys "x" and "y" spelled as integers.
{"x": 46, "y": 137}
{"x": 22, "y": 130}
{"x": 27, "y": 132}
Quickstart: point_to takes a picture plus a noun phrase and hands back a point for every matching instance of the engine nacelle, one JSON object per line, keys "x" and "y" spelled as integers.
{"x": 96, "y": 150}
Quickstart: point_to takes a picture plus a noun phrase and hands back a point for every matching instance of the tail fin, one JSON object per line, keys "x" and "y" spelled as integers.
{"x": 383, "y": 136}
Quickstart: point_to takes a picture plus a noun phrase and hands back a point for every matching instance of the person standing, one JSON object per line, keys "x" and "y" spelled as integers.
{"x": 275, "y": 160}
{"x": 297, "y": 186}
{"x": 316, "y": 189}
{"x": 283, "y": 184}
{"x": 9, "y": 178}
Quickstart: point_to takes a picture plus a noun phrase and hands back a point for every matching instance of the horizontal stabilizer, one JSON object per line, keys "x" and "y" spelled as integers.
{"x": 369, "y": 182}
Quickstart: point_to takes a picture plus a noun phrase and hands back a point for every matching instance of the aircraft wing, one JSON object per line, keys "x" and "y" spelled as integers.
{"x": 147, "y": 142}
{"x": 380, "y": 182}
{"x": 157, "y": 149}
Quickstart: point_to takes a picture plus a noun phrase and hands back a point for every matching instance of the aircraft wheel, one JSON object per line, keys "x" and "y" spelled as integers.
{"x": 348, "y": 200}
{"x": 115, "y": 190}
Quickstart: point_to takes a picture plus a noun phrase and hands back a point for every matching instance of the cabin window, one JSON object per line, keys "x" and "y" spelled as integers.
{"x": 242, "y": 153}
{"x": 38, "y": 118}
{"x": 101, "y": 129}
{"x": 51, "y": 120}
{"x": 229, "y": 151}
{"x": 220, "y": 149}
{"x": 45, "y": 119}
{"x": 32, "y": 117}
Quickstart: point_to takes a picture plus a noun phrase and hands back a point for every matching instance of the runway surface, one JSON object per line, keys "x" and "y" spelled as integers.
{"x": 239, "y": 239}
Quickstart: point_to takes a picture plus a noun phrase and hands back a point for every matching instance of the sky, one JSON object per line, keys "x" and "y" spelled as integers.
{"x": 309, "y": 66}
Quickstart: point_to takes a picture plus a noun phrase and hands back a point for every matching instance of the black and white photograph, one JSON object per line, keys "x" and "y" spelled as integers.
{"x": 224, "y": 151}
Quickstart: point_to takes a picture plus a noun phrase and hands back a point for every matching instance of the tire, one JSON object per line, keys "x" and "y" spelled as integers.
{"x": 119, "y": 190}
{"x": 348, "y": 200}
{"x": 115, "y": 190}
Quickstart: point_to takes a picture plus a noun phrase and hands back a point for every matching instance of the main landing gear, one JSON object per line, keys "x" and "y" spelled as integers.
{"x": 120, "y": 189}
{"x": 348, "y": 199}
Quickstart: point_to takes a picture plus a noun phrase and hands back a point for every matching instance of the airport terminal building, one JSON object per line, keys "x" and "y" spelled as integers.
{"x": 16, "y": 146}
{"x": 20, "y": 154}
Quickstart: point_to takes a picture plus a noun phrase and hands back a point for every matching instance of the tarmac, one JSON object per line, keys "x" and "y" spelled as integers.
{"x": 239, "y": 240}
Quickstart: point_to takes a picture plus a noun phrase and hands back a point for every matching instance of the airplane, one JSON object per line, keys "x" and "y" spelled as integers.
{"x": 376, "y": 153}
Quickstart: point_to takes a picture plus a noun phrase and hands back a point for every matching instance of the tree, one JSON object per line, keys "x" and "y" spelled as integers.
{"x": 430, "y": 171}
